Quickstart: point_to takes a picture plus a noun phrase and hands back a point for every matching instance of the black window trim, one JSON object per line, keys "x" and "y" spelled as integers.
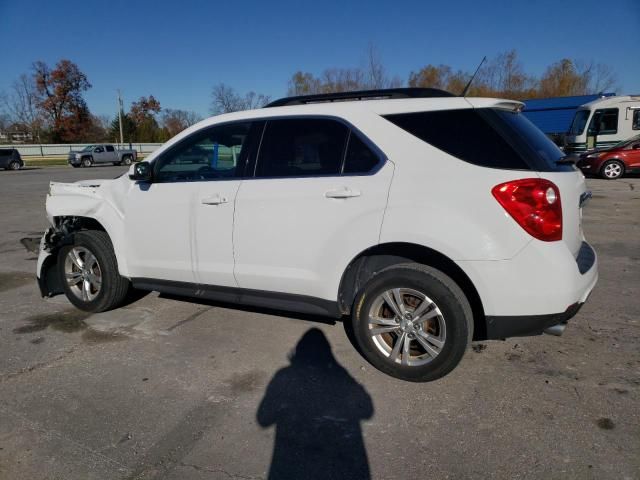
{"x": 250, "y": 163}
{"x": 189, "y": 137}
{"x": 377, "y": 151}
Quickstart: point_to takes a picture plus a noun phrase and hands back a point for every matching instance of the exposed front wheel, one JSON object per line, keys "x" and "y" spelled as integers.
{"x": 14, "y": 165}
{"x": 87, "y": 162}
{"x": 612, "y": 170}
{"x": 89, "y": 273}
{"x": 413, "y": 322}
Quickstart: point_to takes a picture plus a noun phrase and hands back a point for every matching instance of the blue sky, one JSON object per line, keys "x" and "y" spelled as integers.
{"x": 178, "y": 50}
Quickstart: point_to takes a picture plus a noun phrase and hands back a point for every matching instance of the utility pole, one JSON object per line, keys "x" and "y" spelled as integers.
{"x": 120, "y": 116}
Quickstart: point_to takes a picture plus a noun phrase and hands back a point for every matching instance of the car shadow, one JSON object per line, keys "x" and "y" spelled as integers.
{"x": 316, "y": 407}
{"x": 247, "y": 308}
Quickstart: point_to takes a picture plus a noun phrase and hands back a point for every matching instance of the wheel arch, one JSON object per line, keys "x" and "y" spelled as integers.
{"x": 65, "y": 226}
{"x": 369, "y": 262}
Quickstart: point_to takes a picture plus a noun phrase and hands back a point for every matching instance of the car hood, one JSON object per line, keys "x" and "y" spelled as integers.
{"x": 82, "y": 187}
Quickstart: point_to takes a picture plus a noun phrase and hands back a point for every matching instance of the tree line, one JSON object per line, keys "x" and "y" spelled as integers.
{"x": 48, "y": 103}
{"x": 48, "y": 106}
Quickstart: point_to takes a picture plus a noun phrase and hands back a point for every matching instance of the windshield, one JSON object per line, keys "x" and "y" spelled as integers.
{"x": 579, "y": 122}
{"x": 87, "y": 148}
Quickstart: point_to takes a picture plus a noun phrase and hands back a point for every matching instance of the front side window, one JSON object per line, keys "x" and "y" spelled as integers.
{"x": 636, "y": 120}
{"x": 604, "y": 122}
{"x": 213, "y": 153}
{"x": 98, "y": 150}
{"x": 301, "y": 147}
{"x": 579, "y": 122}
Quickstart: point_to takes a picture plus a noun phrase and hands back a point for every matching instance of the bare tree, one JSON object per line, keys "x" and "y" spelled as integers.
{"x": 21, "y": 105}
{"x": 174, "y": 121}
{"x": 225, "y": 99}
{"x": 376, "y": 73}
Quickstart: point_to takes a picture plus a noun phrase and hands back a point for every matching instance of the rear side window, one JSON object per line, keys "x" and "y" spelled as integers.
{"x": 486, "y": 137}
{"x": 360, "y": 158}
{"x": 636, "y": 120}
{"x": 463, "y": 134}
{"x": 301, "y": 147}
{"x": 109, "y": 148}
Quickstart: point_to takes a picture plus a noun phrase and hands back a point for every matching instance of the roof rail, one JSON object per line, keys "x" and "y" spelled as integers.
{"x": 387, "y": 93}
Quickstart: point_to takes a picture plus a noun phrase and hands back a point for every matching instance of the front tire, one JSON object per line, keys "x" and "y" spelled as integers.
{"x": 88, "y": 271}
{"x": 612, "y": 170}
{"x": 13, "y": 165}
{"x": 87, "y": 162}
{"x": 412, "y": 322}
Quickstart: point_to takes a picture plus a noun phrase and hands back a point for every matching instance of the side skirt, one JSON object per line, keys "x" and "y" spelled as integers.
{"x": 242, "y": 296}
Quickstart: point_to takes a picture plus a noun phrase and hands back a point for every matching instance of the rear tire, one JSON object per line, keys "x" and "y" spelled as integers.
{"x": 88, "y": 272}
{"x": 126, "y": 160}
{"x": 422, "y": 351}
{"x": 612, "y": 170}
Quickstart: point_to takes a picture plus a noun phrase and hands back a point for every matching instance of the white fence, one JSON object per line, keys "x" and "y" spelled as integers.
{"x": 51, "y": 150}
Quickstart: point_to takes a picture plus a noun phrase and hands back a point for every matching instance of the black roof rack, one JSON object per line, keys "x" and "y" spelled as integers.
{"x": 386, "y": 93}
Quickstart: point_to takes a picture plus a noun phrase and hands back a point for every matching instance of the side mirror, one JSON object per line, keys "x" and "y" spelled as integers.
{"x": 141, "y": 172}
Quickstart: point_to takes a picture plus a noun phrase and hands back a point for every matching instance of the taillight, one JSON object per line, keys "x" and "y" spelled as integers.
{"x": 535, "y": 204}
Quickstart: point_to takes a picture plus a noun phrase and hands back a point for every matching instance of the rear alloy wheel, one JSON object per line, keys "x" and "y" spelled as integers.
{"x": 14, "y": 165}
{"x": 612, "y": 170}
{"x": 87, "y": 162}
{"x": 126, "y": 160}
{"x": 89, "y": 273}
{"x": 413, "y": 322}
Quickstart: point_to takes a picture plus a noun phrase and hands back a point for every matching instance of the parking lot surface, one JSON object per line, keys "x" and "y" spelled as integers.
{"x": 166, "y": 388}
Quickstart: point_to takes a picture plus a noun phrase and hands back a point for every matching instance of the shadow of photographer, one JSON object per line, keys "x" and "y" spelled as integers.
{"x": 316, "y": 407}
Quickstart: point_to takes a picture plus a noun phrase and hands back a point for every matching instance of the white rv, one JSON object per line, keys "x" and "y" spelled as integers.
{"x": 603, "y": 123}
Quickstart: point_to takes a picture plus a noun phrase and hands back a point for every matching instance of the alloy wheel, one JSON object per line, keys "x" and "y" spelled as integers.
{"x": 83, "y": 274}
{"x": 407, "y": 327}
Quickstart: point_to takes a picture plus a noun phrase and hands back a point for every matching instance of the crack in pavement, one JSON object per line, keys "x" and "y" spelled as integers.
{"x": 190, "y": 318}
{"x": 38, "y": 366}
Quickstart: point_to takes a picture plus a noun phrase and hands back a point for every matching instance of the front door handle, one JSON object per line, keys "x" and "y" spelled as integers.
{"x": 214, "y": 200}
{"x": 344, "y": 192}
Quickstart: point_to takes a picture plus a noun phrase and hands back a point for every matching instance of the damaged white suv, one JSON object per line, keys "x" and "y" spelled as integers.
{"x": 428, "y": 219}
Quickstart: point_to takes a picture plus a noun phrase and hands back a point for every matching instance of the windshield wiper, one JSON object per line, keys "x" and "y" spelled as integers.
{"x": 567, "y": 160}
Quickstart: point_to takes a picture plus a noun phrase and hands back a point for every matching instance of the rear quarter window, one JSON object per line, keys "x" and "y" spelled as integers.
{"x": 485, "y": 137}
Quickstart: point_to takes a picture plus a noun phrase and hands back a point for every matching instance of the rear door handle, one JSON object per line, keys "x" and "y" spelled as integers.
{"x": 214, "y": 200}
{"x": 344, "y": 192}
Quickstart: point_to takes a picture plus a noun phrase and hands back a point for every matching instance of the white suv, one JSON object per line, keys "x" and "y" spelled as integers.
{"x": 429, "y": 219}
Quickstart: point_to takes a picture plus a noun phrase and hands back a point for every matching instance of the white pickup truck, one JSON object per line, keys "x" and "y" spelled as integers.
{"x": 103, "y": 153}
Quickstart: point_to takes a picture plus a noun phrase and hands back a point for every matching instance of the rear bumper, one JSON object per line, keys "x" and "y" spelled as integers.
{"x": 499, "y": 328}
{"x": 544, "y": 285}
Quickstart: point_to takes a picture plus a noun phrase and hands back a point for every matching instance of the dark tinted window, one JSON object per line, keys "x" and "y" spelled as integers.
{"x": 210, "y": 154}
{"x": 604, "y": 122}
{"x": 98, "y": 150}
{"x": 301, "y": 147}
{"x": 486, "y": 137}
{"x": 360, "y": 158}
{"x": 636, "y": 120}
{"x": 109, "y": 148}
{"x": 6, "y": 152}
{"x": 463, "y": 134}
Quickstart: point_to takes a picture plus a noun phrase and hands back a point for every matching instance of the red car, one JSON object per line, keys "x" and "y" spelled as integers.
{"x": 611, "y": 163}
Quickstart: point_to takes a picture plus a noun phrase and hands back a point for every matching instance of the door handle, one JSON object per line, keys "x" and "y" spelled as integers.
{"x": 344, "y": 192}
{"x": 214, "y": 200}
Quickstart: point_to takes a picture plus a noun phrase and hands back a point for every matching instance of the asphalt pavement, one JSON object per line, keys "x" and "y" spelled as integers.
{"x": 165, "y": 388}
